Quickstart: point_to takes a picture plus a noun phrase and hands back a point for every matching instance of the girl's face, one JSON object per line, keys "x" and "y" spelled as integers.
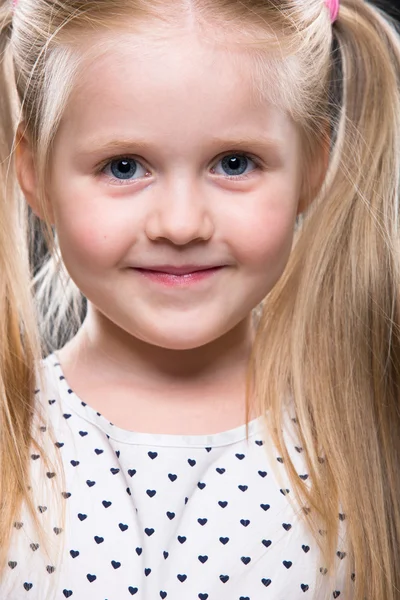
{"x": 165, "y": 161}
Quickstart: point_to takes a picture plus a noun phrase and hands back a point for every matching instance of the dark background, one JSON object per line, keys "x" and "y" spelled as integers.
{"x": 393, "y": 7}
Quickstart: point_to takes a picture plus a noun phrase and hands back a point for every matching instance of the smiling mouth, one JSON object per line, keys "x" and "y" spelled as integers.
{"x": 173, "y": 276}
{"x": 179, "y": 271}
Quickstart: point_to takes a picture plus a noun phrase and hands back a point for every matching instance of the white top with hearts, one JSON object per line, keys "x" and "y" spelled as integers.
{"x": 199, "y": 517}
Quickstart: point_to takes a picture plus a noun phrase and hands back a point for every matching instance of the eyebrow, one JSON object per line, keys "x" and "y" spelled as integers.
{"x": 97, "y": 145}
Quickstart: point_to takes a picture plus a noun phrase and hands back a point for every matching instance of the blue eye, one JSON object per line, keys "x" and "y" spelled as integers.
{"x": 235, "y": 164}
{"x": 124, "y": 168}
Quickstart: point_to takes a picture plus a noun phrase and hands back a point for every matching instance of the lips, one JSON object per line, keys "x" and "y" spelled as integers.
{"x": 184, "y": 270}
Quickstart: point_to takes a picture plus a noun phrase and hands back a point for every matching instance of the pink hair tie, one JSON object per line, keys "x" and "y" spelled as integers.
{"x": 333, "y": 6}
{"x": 14, "y": 3}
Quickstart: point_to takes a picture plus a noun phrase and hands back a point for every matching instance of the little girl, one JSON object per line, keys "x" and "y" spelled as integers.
{"x": 199, "y": 386}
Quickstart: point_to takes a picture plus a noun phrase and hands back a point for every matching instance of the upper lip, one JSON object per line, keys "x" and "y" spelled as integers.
{"x": 183, "y": 270}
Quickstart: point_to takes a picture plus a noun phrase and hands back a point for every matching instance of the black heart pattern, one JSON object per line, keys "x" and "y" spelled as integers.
{"x": 132, "y": 590}
{"x": 211, "y": 493}
{"x": 181, "y": 539}
{"x": 203, "y": 559}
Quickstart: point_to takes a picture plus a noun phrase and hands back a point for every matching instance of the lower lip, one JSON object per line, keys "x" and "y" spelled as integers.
{"x": 178, "y": 280}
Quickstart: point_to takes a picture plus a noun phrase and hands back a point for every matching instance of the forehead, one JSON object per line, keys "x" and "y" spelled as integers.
{"x": 174, "y": 82}
{"x": 165, "y": 61}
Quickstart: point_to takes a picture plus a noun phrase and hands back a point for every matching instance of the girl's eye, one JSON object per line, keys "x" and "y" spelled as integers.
{"x": 124, "y": 168}
{"x": 235, "y": 165}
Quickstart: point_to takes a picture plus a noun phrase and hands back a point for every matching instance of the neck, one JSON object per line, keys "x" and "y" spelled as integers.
{"x": 132, "y": 360}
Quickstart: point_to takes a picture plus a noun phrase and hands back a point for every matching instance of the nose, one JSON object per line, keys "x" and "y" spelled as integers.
{"x": 180, "y": 214}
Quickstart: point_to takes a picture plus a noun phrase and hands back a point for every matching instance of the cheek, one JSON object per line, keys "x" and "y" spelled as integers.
{"x": 265, "y": 233}
{"x": 90, "y": 238}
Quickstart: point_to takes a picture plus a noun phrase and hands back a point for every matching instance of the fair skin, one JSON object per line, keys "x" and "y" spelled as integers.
{"x": 149, "y": 356}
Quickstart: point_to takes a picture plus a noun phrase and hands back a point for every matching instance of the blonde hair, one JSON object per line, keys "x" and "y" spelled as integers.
{"x": 329, "y": 330}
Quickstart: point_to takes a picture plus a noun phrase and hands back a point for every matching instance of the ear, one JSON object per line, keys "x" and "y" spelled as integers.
{"x": 316, "y": 173}
{"x": 26, "y": 171}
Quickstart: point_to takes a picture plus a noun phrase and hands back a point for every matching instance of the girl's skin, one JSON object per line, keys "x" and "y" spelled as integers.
{"x": 152, "y": 357}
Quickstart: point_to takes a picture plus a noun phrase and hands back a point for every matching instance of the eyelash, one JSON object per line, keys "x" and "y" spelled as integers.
{"x": 258, "y": 164}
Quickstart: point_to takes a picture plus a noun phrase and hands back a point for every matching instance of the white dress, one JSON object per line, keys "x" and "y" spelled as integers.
{"x": 198, "y": 517}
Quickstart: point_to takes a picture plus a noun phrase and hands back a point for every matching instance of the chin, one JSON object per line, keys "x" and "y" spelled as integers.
{"x": 176, "y": 338}
{"x": 179, "y": 343}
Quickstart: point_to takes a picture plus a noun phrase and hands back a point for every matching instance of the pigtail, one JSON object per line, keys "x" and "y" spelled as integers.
{"x": 19, "y": 340}
{"x": 332, "y": 322}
